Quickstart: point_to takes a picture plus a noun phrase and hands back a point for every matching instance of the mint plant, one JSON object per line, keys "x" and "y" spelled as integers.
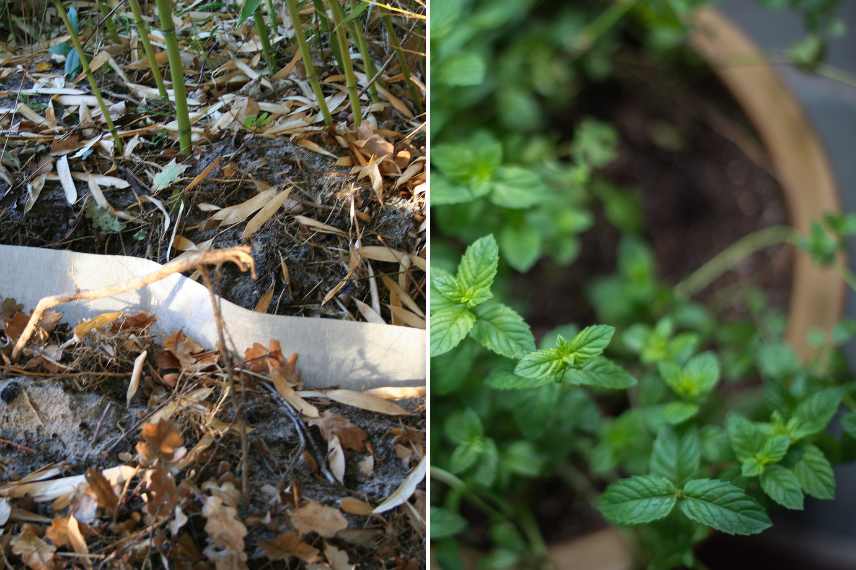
{"x": 671, "y": 419}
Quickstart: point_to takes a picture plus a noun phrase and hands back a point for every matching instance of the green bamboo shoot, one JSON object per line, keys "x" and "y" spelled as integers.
{"x": 348, "y": 66}
{"x": 176, "y": 70}
{"x": 306, "y": 55}
{"x": 143, "y": 30}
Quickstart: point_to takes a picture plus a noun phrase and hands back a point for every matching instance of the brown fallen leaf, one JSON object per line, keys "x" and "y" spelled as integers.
{"x": 318, "y": 518}
{"x": 160, "y": 441}
{"x": 34, "y": 552}
{"x": 289, "y": 545}
{"x": 354, "y": 506}
{"x": 161, "y": 492}
{"x": 191, "y": 355}
{"x": 102, "y": 489}
{"x": 333, "y": 425}
{"x": 360, "y": 400}
{"x": 337, "y": 558}
{"x": 223, "y": 527}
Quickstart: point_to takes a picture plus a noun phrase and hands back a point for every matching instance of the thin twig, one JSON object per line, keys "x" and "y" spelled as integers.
{"x": 240, "y": 256}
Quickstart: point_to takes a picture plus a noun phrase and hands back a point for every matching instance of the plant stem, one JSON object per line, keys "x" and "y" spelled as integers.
{"x": 143, "y": 30}
{"x": 731, "y": 256}
{"x": 500, "y": 511}
{"x": 368, "y": 63}
{"x": 326, "y": 29}
{"x": 176, "y": 70}
{"x": 306, "y": 55}
{"x": 536, "y": 541}
{"x": 262, "y": 31}
{"x": 348, "y": 66}
{"x": 402, "y": 58}
{"x": 93, "y": 85}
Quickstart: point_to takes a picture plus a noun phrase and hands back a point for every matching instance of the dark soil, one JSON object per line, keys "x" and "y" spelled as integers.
{"x": 704, "y": 181}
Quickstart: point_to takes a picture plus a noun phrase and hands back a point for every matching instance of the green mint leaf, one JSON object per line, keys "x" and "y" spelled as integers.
{"x": 450, "y": 371}
{"x": 715, "y": 446}
{"x": 449, "y": 326}
{"x": 464, "y": 426}
{"x": 535, "y": 409}
{"x": 462, "y": 70}
{"x": 673, "y": 413}
{"x": 477, "y": 271}
{"x": 814, "y": 414}
{"x": 499, "y": 329}
{"x": 746, "y": 438}
{"x": 521, "y": 245}
{"x": 516, "y": 187}
{"x": 777, "y": 360}
{"x": 542, "y": 364}
{"x": 723, "y": 506}
{"x": 848, "y": 424}
{"x": 602, "y": 373}
{"x": 445, "y": 192}
{"x": 594, "y": 143}
{"x": 466, "y": 455}
{"x": 783, "y": 486}
{"x": 445, "y": 284}
{"x": 488, "y": 464}
{"x": 815, "y": 473}
{"x": 638, "y": 500}
{"x": 522, "y": 458}
{"x": 697, "y": 379}
{"x": 445, "y": 523}
{"x": 507, "y": 380}
{"x": 589, "y": 343}
{"x": 676, "y": 458}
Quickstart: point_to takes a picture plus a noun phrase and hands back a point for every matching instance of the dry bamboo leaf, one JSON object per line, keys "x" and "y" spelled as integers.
{"x": 102, "y": 489}
{"x": 402, "y": 294}
{"x": 240, "y": 212}
{"x": 319, "y": 226}
{"x": 354, "y": 506}
{"x": 75, "y": 537}
{"x": 136, "y": 375}
{"x": 5, "y": 511}
{"x": 361, "y": 400}
{"x": 64, "y": 173}
{"x": 405, "y": 490}
{"x": 265, "y": 213}
{"x": 206, "y": 172}
{"x": 402, "y": 315}
{"x": 104, "y": 319}
{"x": 397, "y": 103}
{"x": 336, "y": 459}
{"x": 264, "y": 301}
{"x": 288, "y": 545}
{"x": 315, "y": 517}
{"x": 34, "y": 552}
{"x": 368, "y": 313}
{"x": 314, "y": 147}
{"x": 48, "y": 490}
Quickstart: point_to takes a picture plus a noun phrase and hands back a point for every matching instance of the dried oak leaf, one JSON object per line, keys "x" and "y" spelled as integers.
{"x": 333, "y": 425}
{"x": 102, "y": 489}
{"x": 315, "y": 517}
{"x": 190, "y": 354}
{"x": 34, "y": 552}
{"x": 272, "y": 361}
{"x": 288, "y": 545}
{"x": 159, "y": 441}
{"x": 134, "y": 322}
{"x": 162, "y": 494}
{"x": 223, "y": 527}
{"x": 337, "y": 558}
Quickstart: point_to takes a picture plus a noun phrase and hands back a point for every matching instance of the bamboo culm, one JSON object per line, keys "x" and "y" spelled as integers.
{"x": 93, "y": 85}
{"x": 177, "y": 72}
{"x": 306, "y": 55}
{"x": 348, "y": 66}
{"x": 143, "y": 30}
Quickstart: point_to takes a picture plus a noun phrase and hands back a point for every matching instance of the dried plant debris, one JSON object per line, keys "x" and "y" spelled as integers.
{"x": 334, "y": 213}
{"x": 121, "y": 449}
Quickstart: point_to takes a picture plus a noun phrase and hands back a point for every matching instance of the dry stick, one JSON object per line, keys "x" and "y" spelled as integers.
{"x": 240, "y": 256}
{"x": 227, "y": 360}
{"x": 143, "y": 30}
{"x": 84, "y": 63}
{"x": 347, "y": 64}
{"x": 306, "y": 56}
{"x": 403, "y": 65}
{"x": 176, "y": 70}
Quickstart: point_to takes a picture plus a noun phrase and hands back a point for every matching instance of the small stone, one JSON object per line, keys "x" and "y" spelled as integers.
{"x": 9, "y": 392}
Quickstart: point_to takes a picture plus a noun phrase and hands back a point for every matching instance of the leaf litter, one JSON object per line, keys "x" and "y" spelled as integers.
{"x": 264, "y": 170}
{"x": 120, "y": 447}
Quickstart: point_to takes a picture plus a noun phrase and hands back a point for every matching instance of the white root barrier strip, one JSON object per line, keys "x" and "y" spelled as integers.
{"x": 354, "y": 356}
